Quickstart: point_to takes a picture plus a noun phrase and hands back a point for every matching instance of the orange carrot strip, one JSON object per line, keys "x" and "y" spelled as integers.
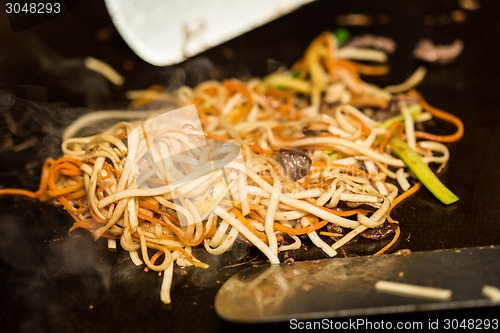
{"x": 329, "y": 60}
{"x": 172, "y": 228}
{"x": 19, "y": 191}
{"x": 343, "y": 213}
{"x": 394, "y": 126}
{"x": 55, "y": 192}
{"x": 400, "y": 198}
{"x": 42, "y": 189}
{"x": 247, "y": 225}
{"x": 299, "y": 231}
{"x": 370, "y": 70}
{"x": 189, "y": 257}
{"x": 349, "y": 67}
{"x": 76, "y": 194}
{"x": 88, "y": 224}
{"x": 443, "y": 115}
{"x": 391, "y": 243}
{"x": 366, "y": 130}
{"x": 260, "y": 150}
{"x": 234, "y": 86}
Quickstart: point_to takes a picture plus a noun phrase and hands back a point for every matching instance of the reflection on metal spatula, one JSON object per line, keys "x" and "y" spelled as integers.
{"x": 346, "y": 287}
{"x": 167, "y": 32}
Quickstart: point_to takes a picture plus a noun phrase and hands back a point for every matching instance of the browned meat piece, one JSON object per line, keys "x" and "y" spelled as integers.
{"x": 427, "y": 51}
{"x": 373, "y": 41}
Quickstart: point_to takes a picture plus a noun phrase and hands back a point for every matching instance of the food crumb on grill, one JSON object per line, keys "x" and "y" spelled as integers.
{"x": 492, "y": 292}
{"x": 403, "y": 252}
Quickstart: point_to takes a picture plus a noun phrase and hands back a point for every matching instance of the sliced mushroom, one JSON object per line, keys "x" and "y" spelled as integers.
{"x": 296, "y": 163}
{"x": 380, "y": 232}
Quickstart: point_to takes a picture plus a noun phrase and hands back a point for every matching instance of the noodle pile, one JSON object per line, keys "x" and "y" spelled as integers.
{"x": 320, "y": 111}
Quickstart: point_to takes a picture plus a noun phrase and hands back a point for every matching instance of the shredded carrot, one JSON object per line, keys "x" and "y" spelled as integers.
{"x": 41, "y": 193}
{"x": 400, "y": 198}
{"x": 211, "y": 232}
{"x": 210, "y": 90}
{"x": 350, "y": 68}
{"x": 330, "y": 53}
{"x": 66, "y": 190}
{"x": 394, "y": 126}
{"x": 284, "y": 97}
{"x": 153, "y": 258}
{"x": 173, "y": 228}
{"x": 260, "y": 150}
{"x": 391, "y": 243}
{"x": 198, "y": 102}
{"x": 311, "y": 56}
{"x": 443, "y": 115}
{"x": 256, "y": 216}
{"x": 77, "y": 194}
{"x": 366, "y": 130}
{"x": 369, "y": 70}
{"x": 88, "y": 224}
{"x": 18, "y": 191}
{"x": 299, "y": 231}
{"x": 150, "y": 205}
{"x": 247, "y": 225}
{"x": 189, "y": 257}
{"x": 361, "y": 100}
{"x": 239, "y": 114}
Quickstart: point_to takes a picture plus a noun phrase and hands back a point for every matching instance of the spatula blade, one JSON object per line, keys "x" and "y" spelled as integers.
{"x": 346, "y": 286}
{"x": 167, "y": 32}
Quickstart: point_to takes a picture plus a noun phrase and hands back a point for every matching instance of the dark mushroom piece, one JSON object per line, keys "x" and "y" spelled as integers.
{"x": 380, "y": 232}
{"x": 296, "y": 163}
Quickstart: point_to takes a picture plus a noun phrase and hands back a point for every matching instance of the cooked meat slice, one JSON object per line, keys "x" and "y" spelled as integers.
{"x": 427, "y": 51}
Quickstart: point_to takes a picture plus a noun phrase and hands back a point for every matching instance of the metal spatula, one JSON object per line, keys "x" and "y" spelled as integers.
{"x": 346, "y": 286}
{"x": 167, "y": 32}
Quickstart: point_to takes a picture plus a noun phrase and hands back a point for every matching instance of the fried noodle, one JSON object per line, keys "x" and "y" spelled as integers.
{"x": 352, "y": 180}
